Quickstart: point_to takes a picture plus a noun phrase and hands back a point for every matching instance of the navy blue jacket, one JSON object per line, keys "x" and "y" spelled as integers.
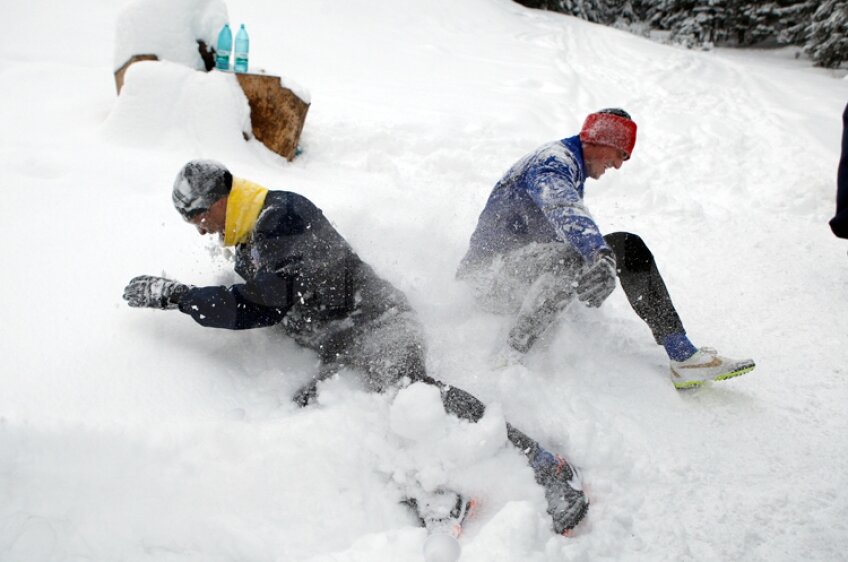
{"x": 298, "y": 271}
{"x": 839, "y": 223}
{"x": 540, "y": 199}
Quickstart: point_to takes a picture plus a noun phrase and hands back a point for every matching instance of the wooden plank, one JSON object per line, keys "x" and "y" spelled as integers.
{"x": 277, "y": 115}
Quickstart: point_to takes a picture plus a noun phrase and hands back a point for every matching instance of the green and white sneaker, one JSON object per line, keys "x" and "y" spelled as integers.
{"x": 707, "y": 365}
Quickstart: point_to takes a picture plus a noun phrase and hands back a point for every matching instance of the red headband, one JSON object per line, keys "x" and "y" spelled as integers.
{"x": 608, "y": 129}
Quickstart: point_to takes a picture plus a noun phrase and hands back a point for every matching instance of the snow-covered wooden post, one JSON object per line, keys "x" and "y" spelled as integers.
{"x": 277, "y": 113}
{"x": 184, "y": 32}
{"x": 119, "y": 74}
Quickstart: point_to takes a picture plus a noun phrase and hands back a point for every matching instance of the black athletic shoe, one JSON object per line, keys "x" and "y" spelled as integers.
{"x": 567, "y": 504}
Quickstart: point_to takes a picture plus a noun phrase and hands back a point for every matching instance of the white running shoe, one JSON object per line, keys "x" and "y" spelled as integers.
{"x": 706, "y": 365}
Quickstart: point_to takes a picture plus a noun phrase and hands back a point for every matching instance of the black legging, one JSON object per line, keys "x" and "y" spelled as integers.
{"x": 643, "y": 285}
{"x": 467, "y": 407}
{"x": 455, "y": 400}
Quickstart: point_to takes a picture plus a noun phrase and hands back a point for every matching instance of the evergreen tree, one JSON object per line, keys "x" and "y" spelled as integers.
{"x": 793, "y": 20}
{"x": 827, "y": 42}
{"x": 756, "y": 22}
{"x": 690, "y": 22}
{"x": 597, "y": 11}
{"x": 589, "y": 10}
{"x": 719, "y": 22}
{"x": 667, "y": 14}
{"x": 821, "y": 26}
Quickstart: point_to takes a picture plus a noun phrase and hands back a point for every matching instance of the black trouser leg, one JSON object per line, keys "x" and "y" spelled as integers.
{"x": 308, "y": 392}
{"x": 643, "y": 284}
{"x": 465, "y": 406}
{"x": 389, "y": 351}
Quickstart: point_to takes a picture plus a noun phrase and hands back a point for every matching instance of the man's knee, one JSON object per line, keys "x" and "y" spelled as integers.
{"x": 631, "y": 253}
{"x": 413, "y": 366}
{"x": 394, "y": 351}
{"x": 554, "y": 257}
{"x": 504, "y": 286}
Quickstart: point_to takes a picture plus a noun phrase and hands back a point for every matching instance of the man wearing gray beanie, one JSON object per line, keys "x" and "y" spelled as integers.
{"x": 301, "y": 275}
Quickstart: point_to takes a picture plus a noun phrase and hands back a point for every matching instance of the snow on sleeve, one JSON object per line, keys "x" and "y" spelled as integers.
{"x": 553, "y": 184}
{"x": 168, "y": 29}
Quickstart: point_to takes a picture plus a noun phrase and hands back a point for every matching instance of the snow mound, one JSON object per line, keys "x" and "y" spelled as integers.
{"x": 164, "y": 103}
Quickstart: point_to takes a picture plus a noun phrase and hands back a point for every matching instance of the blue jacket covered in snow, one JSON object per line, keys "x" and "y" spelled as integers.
{"x": 540, "y": 199}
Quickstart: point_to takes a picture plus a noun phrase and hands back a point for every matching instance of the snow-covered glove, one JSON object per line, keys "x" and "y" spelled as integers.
{"x": 598, "y": 281}
{"x": 147, "y": 291}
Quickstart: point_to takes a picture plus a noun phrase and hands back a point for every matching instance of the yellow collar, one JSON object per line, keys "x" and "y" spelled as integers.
{"x": 243, "y": 205}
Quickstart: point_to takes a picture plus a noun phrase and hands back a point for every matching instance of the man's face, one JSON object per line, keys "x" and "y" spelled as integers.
{"x": 599, "y": 158}
{"x": 213, "y": 220}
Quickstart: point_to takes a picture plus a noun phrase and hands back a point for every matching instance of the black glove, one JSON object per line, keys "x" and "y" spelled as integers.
{"x": 147, "y": 291}
{"x": 598, "y": 280}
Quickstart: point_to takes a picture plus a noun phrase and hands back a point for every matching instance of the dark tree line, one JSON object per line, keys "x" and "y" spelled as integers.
{"x": 819, "y": 26}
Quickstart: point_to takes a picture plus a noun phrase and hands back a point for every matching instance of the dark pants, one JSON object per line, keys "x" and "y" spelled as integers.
{"x": 388, "y": 352}
{"x": 839, "y": 223}
{"x": 643, "y": 285}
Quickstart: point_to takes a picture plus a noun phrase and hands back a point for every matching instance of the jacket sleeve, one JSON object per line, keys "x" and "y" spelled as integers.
{"x": 262, "y": 302}
{"x": 552, "y": 184}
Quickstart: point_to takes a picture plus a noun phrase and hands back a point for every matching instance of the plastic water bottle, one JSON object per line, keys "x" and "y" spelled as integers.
{"x": 242, "y": 48}
{"x": 225, "y": 46}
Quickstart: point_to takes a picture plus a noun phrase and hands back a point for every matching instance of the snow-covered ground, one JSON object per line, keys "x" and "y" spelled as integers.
{"x": 138, "y": 436}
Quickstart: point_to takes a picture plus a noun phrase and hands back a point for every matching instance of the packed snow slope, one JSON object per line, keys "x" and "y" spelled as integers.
{"x": 137, "y": 435}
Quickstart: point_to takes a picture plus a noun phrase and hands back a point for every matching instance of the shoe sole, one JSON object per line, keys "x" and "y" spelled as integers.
{"x": 569, "y": 531}
{"x": 732, "y": 374}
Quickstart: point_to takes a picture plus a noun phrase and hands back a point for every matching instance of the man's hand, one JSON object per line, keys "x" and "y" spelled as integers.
{"x": 598, "y": 281}
{"x": 147, "y": 291}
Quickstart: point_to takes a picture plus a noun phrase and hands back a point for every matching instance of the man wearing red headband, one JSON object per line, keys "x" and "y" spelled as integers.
{"x": 536, "y": 248}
